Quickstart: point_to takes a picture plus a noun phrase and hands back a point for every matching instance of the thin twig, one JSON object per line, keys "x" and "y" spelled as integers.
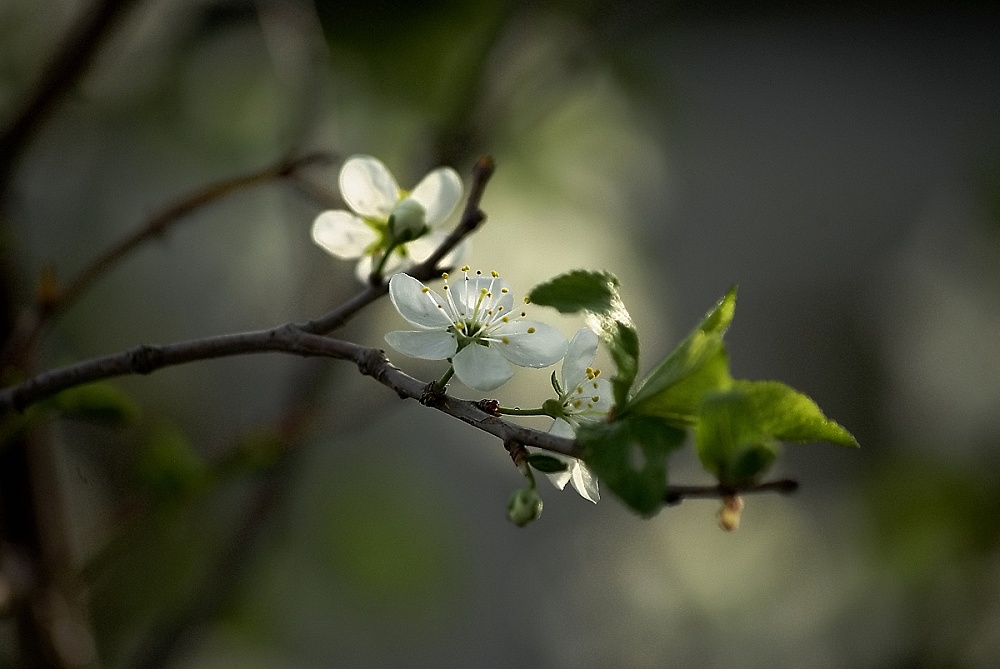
{"x": 33, "y": 322}
{"x": 678, "y": 493}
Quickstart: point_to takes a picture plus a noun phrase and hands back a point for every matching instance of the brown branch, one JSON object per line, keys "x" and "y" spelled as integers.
{"x": 287, "y": 338}
{"x": 678, "y": 493}
{"x": 33, "y": 322}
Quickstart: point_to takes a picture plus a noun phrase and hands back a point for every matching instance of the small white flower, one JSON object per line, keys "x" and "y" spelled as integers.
{"x": 375, "y": 199}
{"x": 474, "y": 326}
{"x": 585, "y": 398}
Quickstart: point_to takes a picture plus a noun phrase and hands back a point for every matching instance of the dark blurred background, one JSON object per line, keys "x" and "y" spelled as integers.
{"x": 840, "y": 163}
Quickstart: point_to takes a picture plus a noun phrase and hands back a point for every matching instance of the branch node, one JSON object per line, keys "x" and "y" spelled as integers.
{"x": 145, "y": 359}
{"x": 518, "y": 453}
{"x": 432, "y": 396}
{"x": 492, "y": 407}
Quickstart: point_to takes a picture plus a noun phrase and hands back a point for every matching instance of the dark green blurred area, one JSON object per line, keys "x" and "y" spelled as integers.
{"x": 839, "y": 164}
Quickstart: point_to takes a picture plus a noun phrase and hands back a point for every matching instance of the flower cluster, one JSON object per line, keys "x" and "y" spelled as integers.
{"x": 473, "y": 324}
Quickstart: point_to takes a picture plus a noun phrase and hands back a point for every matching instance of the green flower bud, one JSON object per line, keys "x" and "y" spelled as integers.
{"x": 408, "y": 220}
{"x": 524, "y": 506}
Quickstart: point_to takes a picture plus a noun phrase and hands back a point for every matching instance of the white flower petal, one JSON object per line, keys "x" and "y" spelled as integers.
{"x": 342, "y": 234}
{"x": 417, "y": 303}
{"x": 580, "y": 355}
{"x": 481, "y": 368}
{"x": 585, "y": 482}
{"x": 421, "y": 248}
{"x": 560, "y": 479}
{"x": 438, "y": 192}
{"x": 426, "y": 344}
{"x": 368, "y": 187}
{"x": 529, "y": 343}
{"x": 561, "y": 428}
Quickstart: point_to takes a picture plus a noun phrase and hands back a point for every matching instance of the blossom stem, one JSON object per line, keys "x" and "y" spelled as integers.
{"x": 442, "y": 383}
{"x": 517, "y": 411}
{"x": 377, "y": 272}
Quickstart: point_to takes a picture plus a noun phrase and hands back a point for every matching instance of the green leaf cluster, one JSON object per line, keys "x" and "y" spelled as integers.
{"x": 737, "y": 424}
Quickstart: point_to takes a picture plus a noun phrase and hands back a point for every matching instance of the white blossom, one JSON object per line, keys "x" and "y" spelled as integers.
{"x": 584, "y": 397}
{"x": 474, "y": 326}
{"x": 382, "y": 215}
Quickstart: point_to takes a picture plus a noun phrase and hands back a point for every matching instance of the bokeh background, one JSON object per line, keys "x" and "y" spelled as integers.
{"x": 841, "y": 164}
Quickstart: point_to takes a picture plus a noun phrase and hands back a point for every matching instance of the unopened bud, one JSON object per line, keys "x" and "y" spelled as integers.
{"x": 729, "y": 514}
{"x": 524, "y": 506}
{"x": 408, "y": 220}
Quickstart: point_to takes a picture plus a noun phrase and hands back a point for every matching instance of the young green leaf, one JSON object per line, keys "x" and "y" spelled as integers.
{"x": 576, "y": 291}
{"x": 730, "y": 442}
{"x": 674, "y": 389}
{"x": 789, "y": 415}
{"x": 623, "y": 344}
{"x": 629, "y": 456}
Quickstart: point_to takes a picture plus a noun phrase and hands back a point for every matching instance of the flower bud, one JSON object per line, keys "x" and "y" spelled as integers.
{"x": 524, "y": 506}
{"x": 729, "y": 514}
{"x": 407, "y": 220}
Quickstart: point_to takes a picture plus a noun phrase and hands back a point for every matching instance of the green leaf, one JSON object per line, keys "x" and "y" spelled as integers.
{"x": 675, "y": 387}
{"x": 629, "y": 456}
{"x": 576, "y": 291}
{"x": 730, "y": 442}
{"x": 789, "y": 415}
{"x": 717, "y": 320}
{"x": 738, "y": 429}
{"x": 546, "y": 463}
{"x": 98, "y": 402}
{"x": 623, "y": 344}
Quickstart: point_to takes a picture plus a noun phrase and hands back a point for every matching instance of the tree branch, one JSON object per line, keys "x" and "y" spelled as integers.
{"x": 287, "y": 338}
{"x": 32, "y": 322}
{"x": 678, "y": 493}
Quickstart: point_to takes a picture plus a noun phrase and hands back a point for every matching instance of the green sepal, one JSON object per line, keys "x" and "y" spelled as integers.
{"x": 674, "y": 389}
{"x": 629, "y": 456}
{"x": 546, "y": 463}
{"x": 555, "y": 384}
